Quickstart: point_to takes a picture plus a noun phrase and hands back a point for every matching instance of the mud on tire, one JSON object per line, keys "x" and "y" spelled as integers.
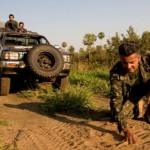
{"x": 45, "y": 61}
{"x": 4, "y": 85}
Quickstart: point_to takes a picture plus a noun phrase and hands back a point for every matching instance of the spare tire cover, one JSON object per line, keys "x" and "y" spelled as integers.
{"x": 45, "y": 61}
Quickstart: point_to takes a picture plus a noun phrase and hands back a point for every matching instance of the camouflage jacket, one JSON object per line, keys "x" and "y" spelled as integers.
{"x": 121, "y": 83}
{"x": 12, "y": 25}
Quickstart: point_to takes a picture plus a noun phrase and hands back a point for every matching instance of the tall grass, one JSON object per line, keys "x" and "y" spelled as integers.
{"x": 75, "y": 99}
{"x": 97, "y": 80}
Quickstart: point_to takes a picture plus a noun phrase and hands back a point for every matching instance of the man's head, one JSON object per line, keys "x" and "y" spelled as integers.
{"x": 11, "y": 17}
{"x": 21, "y": 25}
{"x": 129, "y": 56}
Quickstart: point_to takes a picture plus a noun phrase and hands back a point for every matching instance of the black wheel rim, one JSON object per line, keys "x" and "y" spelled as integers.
{"x": 45, "y": 61}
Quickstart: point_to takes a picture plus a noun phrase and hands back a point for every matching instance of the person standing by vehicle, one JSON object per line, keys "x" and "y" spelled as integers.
{"x": 11, "y": 24}
{"x": 129, "y": 83}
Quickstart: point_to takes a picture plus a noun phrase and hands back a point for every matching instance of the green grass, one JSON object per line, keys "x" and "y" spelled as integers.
{"x": 75, "y": 99}
{"x": 26, "y": 93}
{"x": 97, "y": 80}
{"x": 4, "y": 123}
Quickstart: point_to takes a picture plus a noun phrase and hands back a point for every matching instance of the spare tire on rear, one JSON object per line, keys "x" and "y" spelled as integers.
{"x": 45, "y": 61}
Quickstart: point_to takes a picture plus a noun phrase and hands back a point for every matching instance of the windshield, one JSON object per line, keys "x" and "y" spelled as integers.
{"x": 13, "y": 40}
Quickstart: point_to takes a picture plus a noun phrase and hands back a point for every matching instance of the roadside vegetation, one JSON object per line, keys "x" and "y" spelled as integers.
{"x": 89, "y": 74}
{"x": 78, "y": 97}
{"x": 97, "y": 80}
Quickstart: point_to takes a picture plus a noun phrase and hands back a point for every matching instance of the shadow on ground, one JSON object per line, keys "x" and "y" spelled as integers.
{"x": 38, "y": 107}
{"x": 103, "y": 115}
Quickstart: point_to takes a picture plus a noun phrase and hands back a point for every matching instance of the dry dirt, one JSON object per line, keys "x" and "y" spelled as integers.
{"x": 23, "y": 126}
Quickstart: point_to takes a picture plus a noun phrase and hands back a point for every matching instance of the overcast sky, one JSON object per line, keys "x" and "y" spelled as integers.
{"x": 70, "y": 20}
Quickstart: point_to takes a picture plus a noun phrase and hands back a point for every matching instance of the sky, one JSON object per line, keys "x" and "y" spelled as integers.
{"x": 69, "y": 20}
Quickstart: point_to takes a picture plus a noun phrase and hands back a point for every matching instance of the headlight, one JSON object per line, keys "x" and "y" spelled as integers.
{"x": 66, "y": 58}
{"x": 11, "y": 55}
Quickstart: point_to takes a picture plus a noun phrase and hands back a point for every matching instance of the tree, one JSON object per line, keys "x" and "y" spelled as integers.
{"x": 145, "y": 41}
{"x": 131, "y": 35}
{"x": 81, "y": 50}
{"x": 71, "y": 49}
{"x": 89, "y": 40}
{"x": 112, "y": 48}
{"x": 114, "y": 42}
{"x": 82, "y": 54}
{"x": 101, "y": 35}
{"x": 64, "y": 44}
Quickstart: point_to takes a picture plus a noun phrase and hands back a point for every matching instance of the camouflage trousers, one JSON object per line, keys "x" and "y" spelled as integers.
{"x": 127, "y": 111}
{"x": 125, "y": 114}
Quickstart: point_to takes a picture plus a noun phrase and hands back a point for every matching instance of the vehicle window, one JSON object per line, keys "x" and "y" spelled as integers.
{"x": 24, "y": 40}
{"x": 43, "y": 41}
{"x": 10, "y": 41}
{"x": 21, "y": 40}
{"x": 32, "y": 41}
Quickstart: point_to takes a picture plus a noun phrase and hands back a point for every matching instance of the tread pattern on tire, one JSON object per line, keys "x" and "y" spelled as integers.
{"x": 33, "y": 63}
{"x": 4, "y": 85}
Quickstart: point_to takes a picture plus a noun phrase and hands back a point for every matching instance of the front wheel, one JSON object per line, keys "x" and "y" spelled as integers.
{"x": 4, "y": 86}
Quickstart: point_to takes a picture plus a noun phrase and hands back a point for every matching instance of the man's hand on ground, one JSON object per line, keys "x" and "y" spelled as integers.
{"x": 130, "y": 136}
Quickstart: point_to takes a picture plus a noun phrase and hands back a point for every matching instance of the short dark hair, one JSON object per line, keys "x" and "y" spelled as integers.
{"x": 11, "y": 15}
{"x": 21, "y": 23}
{"x": 128, "y": 47}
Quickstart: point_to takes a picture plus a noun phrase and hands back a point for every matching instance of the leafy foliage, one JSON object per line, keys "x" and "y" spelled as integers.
{"x": 97, "y": 80}
{"x": 75, "y": 99}
{"x": 26, "y": 93}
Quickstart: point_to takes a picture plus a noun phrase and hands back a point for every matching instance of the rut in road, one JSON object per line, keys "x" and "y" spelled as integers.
{"x": 48, "y": 138}
{"x": 29, "y": 129}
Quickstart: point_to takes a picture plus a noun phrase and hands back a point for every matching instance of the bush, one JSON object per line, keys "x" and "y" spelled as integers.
{"x": 26, "y": 93}
{"x": 75, "y": 99}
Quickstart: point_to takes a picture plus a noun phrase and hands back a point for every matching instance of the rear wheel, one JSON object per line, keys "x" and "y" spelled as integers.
{"x": 4, "y": 85}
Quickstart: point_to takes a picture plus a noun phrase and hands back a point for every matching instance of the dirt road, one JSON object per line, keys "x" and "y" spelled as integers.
{"x": 24, "y": 126}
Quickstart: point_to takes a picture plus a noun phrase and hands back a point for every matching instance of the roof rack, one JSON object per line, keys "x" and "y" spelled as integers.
{"x": 28, "y": 32}
{"x": 31, "y": 32}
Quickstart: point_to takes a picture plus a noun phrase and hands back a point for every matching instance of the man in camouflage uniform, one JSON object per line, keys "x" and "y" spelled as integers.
{"x": 21, "y": 27}
{"x": 11, "y": 24}
{"x": 130, "y": 81}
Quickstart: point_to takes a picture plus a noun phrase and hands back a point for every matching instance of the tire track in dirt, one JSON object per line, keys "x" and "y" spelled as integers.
{"x": 30, "y": 130}
{"x": 67, "y": 136}
{"x": 49, "y": 138}
{"x": 144, "y": 136}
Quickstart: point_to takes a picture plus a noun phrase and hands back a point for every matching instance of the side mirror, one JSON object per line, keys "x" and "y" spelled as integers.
{"x": 57, "y": 46}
